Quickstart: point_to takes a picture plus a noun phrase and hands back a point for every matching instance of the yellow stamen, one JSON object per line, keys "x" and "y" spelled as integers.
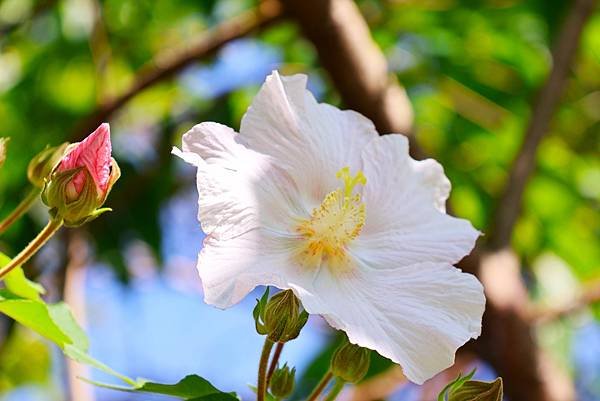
{"x": 331, "y": 226}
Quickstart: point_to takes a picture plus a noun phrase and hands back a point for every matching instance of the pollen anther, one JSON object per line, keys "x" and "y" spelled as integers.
{"x": 333, "y": 224}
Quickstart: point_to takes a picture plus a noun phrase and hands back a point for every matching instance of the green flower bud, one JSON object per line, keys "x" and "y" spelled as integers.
{"x": 282, "y": 382}
{"x": 280, "y": 318}
{"x": 3, "y": 145}
{"x": 350, "y": 362}
{"x": 42, "y": 164}
{"x": 74, "y": 213}
{"x": 473, "y": 390}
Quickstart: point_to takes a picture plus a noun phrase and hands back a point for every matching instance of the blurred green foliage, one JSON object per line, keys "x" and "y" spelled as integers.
{"x": 25, "y": 359}
{"x": 471, "y": 68}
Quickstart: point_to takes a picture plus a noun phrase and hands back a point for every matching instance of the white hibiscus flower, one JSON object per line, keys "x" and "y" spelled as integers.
{"x": 309, "y": 197}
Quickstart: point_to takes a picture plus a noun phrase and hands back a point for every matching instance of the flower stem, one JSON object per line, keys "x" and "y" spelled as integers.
{"x": 20, "y": 210}
{"x": 262, "y": 370}
{"x": 30, "y": 250}
{"x": 320, "y": 387}
{"x": 274, "y": 361}
{"x": 336, "y": 390}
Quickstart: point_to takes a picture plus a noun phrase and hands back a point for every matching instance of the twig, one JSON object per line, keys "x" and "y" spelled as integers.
{"x": 563, "y": 54}
{"x": 159, "y": 70}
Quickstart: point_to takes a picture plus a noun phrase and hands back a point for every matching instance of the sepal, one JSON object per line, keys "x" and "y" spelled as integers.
{"x": 57, "y": 195}
{"x": 42, "y": 164}
{"x": 259, "y": 313}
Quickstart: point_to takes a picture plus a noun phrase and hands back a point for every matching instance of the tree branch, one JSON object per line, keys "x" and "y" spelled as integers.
{"x": 563, "y": 54}
{"x": 163, "y": 68}
{"x": 355, "y": 64}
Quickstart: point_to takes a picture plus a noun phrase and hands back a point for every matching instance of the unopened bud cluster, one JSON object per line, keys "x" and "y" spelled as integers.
{"x": 350, "y": 362}
{"x": 282, "y": 382}
{"x": 281, "y": 317}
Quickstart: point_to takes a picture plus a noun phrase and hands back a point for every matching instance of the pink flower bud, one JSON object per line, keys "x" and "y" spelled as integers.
{"x": 93, "y": 154}
{"x": 79, "y": 184}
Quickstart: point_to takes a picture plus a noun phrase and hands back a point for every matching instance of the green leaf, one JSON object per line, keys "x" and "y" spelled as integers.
{"x": 57, "y": 324}
{"x": 63, "y": 318}
{"x": 18, "y": 284}
{"x": 190, "y": 388}
{"x": 21, "y": 301}
{"x": 33, "y": 314}
{"x": 80, "y": 356}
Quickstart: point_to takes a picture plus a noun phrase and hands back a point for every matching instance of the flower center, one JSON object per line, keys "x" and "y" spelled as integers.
{"x": 331, "y": 226}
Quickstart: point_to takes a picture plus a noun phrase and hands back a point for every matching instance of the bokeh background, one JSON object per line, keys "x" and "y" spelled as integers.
{"x": 479, "y": 75}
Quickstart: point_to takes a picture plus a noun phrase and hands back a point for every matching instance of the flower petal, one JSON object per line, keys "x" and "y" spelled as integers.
{"x": 239, "y": 189}
{"x": 93, "y": 153}
{"x": 417, "y": 316}
{"x": 404, "y": 200}
{"x": 231, "y": 268}
{"x": 311, "y": 141}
